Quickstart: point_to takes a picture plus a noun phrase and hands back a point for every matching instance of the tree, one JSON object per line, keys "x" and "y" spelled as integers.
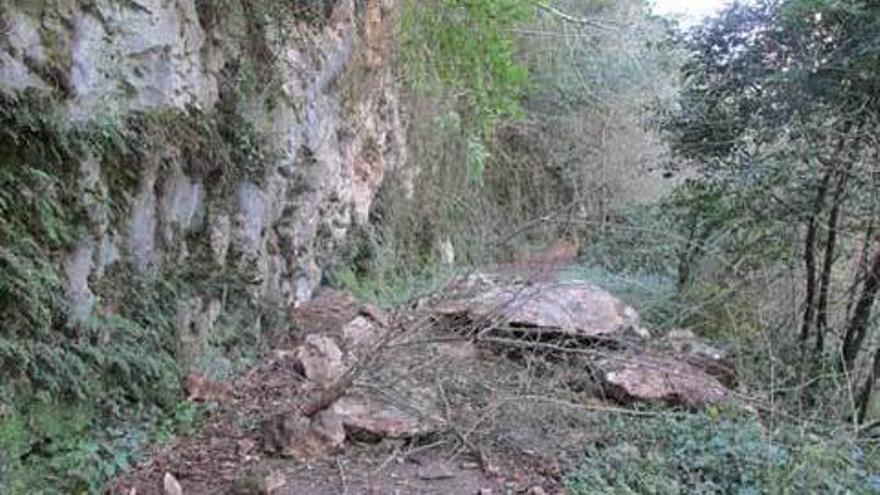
{"x": 780, "y": 103}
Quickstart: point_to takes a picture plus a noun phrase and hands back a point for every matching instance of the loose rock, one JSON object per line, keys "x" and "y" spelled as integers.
{"x": 321, "y": 359}
{"x": 294, "y": 435}
{"x": 170, "y": 485}
{"x": 200, "y": 388}
{"x": 716, "y": 361}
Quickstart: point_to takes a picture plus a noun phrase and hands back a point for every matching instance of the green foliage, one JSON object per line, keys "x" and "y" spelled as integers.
{"x": 59, "y": 448}
{"x": 466, "y": 49}
{"x": 48, "y": 447}
{"x": 778, "y": 114}
{"x": 386, "y": 282}
{"x": 670, "y": 454}
{"x": 183, "y": 420}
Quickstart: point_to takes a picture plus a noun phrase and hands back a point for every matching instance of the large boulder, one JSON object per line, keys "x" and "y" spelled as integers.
{"x": 574, "y": 309}
{"x": 655, "y": 378}
{"x": 412, "y": 413}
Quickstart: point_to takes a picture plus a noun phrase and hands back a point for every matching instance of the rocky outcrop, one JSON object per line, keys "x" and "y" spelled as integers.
{"x": 275, "y": 213}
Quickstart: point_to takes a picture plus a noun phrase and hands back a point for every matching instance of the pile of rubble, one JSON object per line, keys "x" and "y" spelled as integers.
{"x": 440, "y": 370}
{"x": 678, "y": 369}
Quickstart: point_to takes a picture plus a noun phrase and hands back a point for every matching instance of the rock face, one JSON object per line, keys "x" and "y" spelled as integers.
{"x": 567, "y": 308}
{"x": 273, "y": 219}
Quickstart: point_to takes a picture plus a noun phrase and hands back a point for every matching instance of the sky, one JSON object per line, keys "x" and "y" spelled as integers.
{"x": 692, "y": 11}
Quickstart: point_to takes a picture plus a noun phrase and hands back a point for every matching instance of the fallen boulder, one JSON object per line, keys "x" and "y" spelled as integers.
{"x": 414, "y": 415}
{"x": 321, "y": 359}
{"x": 300, "y": 437}
{"x": 654, "y": 378}
{"x": 326, "y": 312}
{"x": 360, "y": 334}
{"x": 568, "y": 308}
{"x": 714, "y": 360}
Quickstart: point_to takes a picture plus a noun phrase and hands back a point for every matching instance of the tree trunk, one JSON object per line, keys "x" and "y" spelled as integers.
{"x": 828, "y": 262}
{"x": 860, "y": 269}
{"x": 686, "y": 259}
{"x": 861, "y": 317}
{"x": 863, "y": 399}
{"x": 810, "y": 258}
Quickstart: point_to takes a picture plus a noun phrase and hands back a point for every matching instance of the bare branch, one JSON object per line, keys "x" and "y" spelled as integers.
{"x": 583, "y": 21}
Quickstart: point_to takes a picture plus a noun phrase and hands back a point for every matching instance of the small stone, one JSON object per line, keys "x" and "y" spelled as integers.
{"x": 275, "y": 482}
{"x": 171, "y": 486}
{"x": 536, "y": 490}
{"x": 246, "y": 446}
{"x": 435, "y": 471}
{"x": 200, "y": 388}
{"x": 485, "y": 491}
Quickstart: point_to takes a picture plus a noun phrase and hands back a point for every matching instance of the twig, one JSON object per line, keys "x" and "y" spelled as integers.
{"x": 388, "y": 460}
{"x": 592, "y": 407}
{"x": 342, "y": 476}
{"x": 583, "y": 21}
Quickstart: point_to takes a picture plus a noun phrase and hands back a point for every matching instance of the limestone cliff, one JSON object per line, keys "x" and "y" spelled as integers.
{"x": 261, "y": 132}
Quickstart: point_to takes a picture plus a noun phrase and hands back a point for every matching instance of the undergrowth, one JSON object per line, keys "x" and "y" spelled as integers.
{"x": 466, "y": 51}
{"x": 47, "y": 448}
{"x": 671, "y": 454}
{"x": 369, "y": 270}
